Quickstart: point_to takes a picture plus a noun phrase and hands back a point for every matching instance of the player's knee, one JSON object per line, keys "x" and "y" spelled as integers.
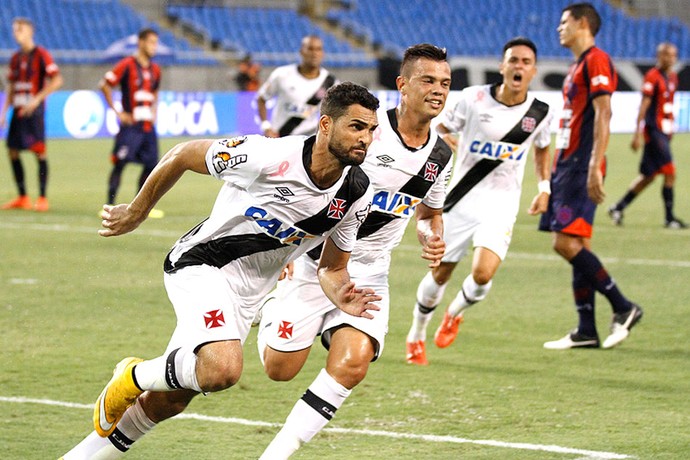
{"x": 442, "y": 273}
{"x": 278, "y": 371}
{"x": 482, "y": 275}
{"x": 350, "y": 372}
{"x": 219, "y": 373}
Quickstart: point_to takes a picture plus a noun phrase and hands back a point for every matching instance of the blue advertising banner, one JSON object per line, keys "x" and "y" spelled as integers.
{"x": 84, "y": 114}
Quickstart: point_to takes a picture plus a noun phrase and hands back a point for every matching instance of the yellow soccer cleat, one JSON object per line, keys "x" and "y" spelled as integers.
{"x": 120, "y": 393}
{"x": 156, "y": 214}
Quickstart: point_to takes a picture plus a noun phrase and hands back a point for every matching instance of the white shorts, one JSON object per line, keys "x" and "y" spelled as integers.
{"x": 301, "y": 311}
{"x": 463, "y": 231}
{"x": 207, "y": 309}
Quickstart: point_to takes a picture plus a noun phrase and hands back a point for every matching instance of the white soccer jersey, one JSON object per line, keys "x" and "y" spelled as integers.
{"x": 495, "y": 140}
{"x": 402, "y": 177}
{"x": 297, "y": 99}
{"x": 269, "y": 212}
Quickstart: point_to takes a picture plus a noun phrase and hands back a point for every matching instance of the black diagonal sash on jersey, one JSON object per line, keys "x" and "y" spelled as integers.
{"x": 418, "y": 186}
{"x": 517, "y": 135}
{"x": 292, "y": 122}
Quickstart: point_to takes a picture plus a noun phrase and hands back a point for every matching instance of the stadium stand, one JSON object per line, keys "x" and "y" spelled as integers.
{"x": 271, "y": 35}
{"x": 472, "y": 28}
{"x": 70, "y": 30}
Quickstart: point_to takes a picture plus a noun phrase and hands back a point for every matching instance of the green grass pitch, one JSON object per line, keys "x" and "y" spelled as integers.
{"x": 72, "y": 304}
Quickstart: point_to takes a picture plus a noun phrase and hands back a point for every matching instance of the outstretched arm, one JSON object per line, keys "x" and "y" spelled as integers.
{"x": 336, "y": 284}
{"x": 430, "y": 233}
{"x": 541, "y": 163}
{"x": 188, "y": 156}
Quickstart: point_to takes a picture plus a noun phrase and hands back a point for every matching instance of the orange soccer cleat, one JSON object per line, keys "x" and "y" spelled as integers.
{"x": 41, "y": 204}
{"x": 448, "y": 330}
{"x": 21, "y": 202}
{"x": 416, "y": 353}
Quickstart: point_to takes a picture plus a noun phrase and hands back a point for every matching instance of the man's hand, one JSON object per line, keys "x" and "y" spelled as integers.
{"x": 126, "y": 119}
{"x": 29, "y": 108}
{"x": 433, "y": 249}
{"x": 595, "y": 185}
{"x": 539, "y": 204}
{"x": 356, "y": 301}
{"x": 635, "y": 143}
{"x": 119, "y": 219}
{"x": 287, "y": 271}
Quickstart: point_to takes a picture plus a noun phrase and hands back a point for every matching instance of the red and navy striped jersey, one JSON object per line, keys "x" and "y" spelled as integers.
{"x": 28, "y": 72}
{"x": 661, "y": 89}
{"x": 139, "y": 86}
{"x": 591, "y": 76}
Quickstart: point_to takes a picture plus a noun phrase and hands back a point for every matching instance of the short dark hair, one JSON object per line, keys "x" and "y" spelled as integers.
{"x": 517, "y": 41}
{"x": 144, "y": 33}
{"x": 341, "y": 96}
{"x": 586, "y": 10}
{"x": 23, "y": 20}
{"x": 422, "y": 50}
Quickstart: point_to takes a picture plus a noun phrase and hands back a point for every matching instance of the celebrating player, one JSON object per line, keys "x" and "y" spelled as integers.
{"x": 32, "y": 77}
{"x": 655, "y": 118}
{"x": 497, "y": 126}
{"x": 577, "y": 181}
{"x": 137, "y": 141}
{"x": 298, "y": 90}
{"x": 217, "y": 273}
{"x": 408, "y": 165}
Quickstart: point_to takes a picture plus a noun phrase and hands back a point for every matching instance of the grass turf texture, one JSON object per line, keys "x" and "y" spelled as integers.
{"x": 72, "y": 304}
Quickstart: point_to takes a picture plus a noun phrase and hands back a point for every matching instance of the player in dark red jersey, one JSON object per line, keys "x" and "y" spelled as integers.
{"x": 139, "y": 79}
{"x": 577, "y": 181}
{"x": 655, "y": 118}
{"x": 32, "y": 77}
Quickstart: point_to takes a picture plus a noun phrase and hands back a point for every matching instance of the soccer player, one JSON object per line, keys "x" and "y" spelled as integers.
{"x": 577, "y": 179}
{"x": 32, "y": 76}
{"x": 137, "y": 141}
{"x": 655, "y": 118}
{"x": 497, "y": 125}
{"x": 281, "y": 198}
{"x": 298, "y": 90}
{"x": 408, "y": 165}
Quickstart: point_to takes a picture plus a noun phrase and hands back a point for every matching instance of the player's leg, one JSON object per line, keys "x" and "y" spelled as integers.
{"x": 576, "y": 250}
{"x": 22, "y": 201}
{"x": 349, "y": 356}
{"x": 42, "y": 201}
{"x": 636, "y": 187}
{"x": 204, "y": 353}
{"x": 429, "y": 294}
{"x": 671, "y": 221}
{"x": 474, "y": 289}
{"x": 148, "y": 156}
{"x": 127, "y": 144}
{"x": 149, "y": 409}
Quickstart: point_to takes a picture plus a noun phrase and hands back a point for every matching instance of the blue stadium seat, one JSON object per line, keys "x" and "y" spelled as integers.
{"x": 98, "y": 23}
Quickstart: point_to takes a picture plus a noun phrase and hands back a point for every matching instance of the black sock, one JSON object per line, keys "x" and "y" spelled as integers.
{"x": 626, "y": 200}
{"x": 583, "y": 291}
{"x": 588, "y": 264}
{"x": 18, "y": 171}
{"x": 114, "y": 181}
{"x": 42, "y": 176}
{"x": 667, "y": 194}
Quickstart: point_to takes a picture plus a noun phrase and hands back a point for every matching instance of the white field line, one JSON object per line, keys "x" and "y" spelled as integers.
{"x": 404, "y": 247}
{"x": 584, "y": 454}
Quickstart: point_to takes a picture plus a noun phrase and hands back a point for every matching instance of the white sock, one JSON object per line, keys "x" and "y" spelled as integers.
{"x": 169, "y": 372}
{"x": 133, "y": 425}
{"x": 429, "y": 294}
{"x": 309, "y": 416}
{"x": 93, "y": 447}
{"x": 470, "y": 294}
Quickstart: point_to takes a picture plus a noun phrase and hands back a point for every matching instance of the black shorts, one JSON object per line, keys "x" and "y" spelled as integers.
{"x": 27, "y": 133}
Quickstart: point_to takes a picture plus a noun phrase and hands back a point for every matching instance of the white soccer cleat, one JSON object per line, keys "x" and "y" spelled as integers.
{"x": 573, "y": 340}
{"x": 621, "y": 325}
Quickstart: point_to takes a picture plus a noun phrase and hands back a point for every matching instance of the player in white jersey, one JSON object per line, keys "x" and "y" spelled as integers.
{"x": 497, "y": 124}
{"x": 298, "y": 90}
{"x": 281, "y": 197}
{"x": 409, "y": 166}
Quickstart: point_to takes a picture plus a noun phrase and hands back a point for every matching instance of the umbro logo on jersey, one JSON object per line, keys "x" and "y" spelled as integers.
{"x": 283, "y": 192}
{"x": 385, "y": 159}
{"x": 485, "y": 118}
